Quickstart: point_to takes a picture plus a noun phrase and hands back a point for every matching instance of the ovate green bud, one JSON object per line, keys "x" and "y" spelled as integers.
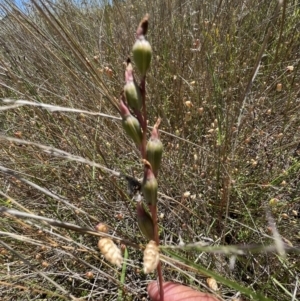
{"x": 142, "y": 54}
{"x": 154, "y": 152}
{"x": 133, "y": 128}
{"x": 145, "y": 222}
{"x": 154, "y": 149}
{"x": 149, "y": 187}
{"x": 133, "y": 95}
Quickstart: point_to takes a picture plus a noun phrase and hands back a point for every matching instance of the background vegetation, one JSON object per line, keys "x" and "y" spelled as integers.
{"x": 225, "y": 81}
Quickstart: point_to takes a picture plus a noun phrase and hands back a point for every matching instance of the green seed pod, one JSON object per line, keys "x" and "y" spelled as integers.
{"x": 142, "y": 54}
{"x": 149, "y": 186}
{"x": 133, "y": 95}
{"x": 130, "y": 124}
{"x": 133, "y": 128}
{"x": 154, "y": 150}
{"x": 145, "y": 221}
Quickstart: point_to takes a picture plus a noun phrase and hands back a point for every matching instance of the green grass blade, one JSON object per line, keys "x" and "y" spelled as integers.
{"x": 244, "y": 290}
{"x": 123, "y": 274}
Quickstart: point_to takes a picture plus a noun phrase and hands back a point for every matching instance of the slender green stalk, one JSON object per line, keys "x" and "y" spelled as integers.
{"x": 123, "y": 275}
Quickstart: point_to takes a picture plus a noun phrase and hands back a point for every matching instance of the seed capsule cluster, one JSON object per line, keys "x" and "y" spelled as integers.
{"x": 151, "y": 257}
{"x": 110, "y": 251}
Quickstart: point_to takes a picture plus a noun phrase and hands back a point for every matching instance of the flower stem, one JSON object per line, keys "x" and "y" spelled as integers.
{"x": 144, "y": 121}
{"x": 153, "y": 210}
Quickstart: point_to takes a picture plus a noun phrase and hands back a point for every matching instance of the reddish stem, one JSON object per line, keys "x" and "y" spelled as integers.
{"x": 144, "y": 121}
{"x": 153, "y": 210}
{"x": 140, "y": 118}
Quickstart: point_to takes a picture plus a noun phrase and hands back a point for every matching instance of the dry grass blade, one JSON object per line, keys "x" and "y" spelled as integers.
{"x": 59, "y": 153}
{"x": 60, "y": 288}
{"x": 62, "y": 31}
{"x": 50, "y": 108}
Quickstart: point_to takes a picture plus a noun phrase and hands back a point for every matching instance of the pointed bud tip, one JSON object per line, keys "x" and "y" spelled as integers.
{"x": 146, "y": 163}
{"x": 154, "y": 133}
{"x": 143, "y": 26}
{"x": 124, "y": 111}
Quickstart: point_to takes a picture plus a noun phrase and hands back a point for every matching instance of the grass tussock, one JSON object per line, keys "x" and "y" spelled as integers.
{"x": 225, "y": 81}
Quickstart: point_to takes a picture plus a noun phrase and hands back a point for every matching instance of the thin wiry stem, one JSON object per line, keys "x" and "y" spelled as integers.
{"x": 144, "y": 121}
{"x": 257, "y": 66}
{"x": 65, "y": 225}
{"x": 37, "y": 271}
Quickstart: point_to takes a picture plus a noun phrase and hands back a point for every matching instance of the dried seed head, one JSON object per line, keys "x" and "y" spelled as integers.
{"x": 189, "y": 104}
{"x": 248, "y": 140}
{"x": 150, "y": 185}
{"x": 200, "y": 111}
{"x": 188, "y": 116}
{"x": 89, "y": 275}
{"x": 108, "y": 72}
{"x": 45, "y": 264}
{"x": 151, "y": 257}
{"x": 145, "y": 221}
{"x": 279, "y": 87}
{"x": 186, "y": 194}
{"x": 280, "y": 135}
{"x": 43, "y": 248}
{"x": 254, "y": 163}
{"x": 119, "y": 216}
{"x": 18, "y": 134}
{"x": 110, "y": 251}
{"x": 102, "y": 228}
{"x": 212, "y": 283}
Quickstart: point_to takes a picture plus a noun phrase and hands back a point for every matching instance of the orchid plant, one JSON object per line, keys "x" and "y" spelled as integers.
{"x": 133, "y": 110}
